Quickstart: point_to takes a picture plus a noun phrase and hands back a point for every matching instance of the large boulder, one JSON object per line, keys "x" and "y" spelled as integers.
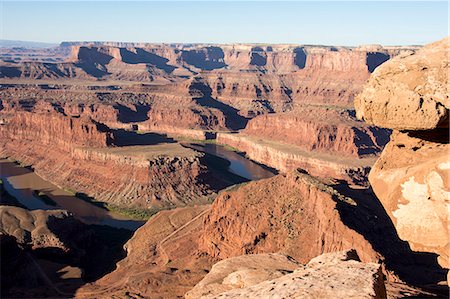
{"x": 411, "y": 177}
{"x": 409, "y": 92}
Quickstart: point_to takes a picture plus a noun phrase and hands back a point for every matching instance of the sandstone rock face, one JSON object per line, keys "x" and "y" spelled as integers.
{"x": 52, "y": 128}
{"x": 412, "y": 174}
{"x": 332, "y": 275}
{"x": 173, "y": 250}
{"x": 293, "y": 215}
{"x": 323, "y": 130}
{"x": 32, "y": 227}
{"x": 411, "y": 178}
{"x": 242, "y": 271}
{"x": 287, "y": 157}
{"x": 237, "y": 224}
{"x": 409, "y": 92}
{"x": 159, "y": 175}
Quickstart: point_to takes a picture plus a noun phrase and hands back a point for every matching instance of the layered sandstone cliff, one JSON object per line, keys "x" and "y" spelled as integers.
{"x": 52, "y": 128}
{"x": 319, "y": 129}
{"x": 73, "y": 154}
{"x": 410, "y": 95}
{"x": 286, "y": 157}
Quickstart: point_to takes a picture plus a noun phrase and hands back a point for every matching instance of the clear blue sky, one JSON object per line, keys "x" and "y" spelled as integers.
{"x": 329, "y": 23}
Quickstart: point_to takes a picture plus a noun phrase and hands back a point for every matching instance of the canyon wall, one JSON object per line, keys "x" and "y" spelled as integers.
{"x": 53, "y": 128}
{"x": 286, "y": 157}
{"x": 332, "y": 131}
{"x": 73, "y": 154}
{"x": 411, "y": 178}
{"x": 253, "y": 79}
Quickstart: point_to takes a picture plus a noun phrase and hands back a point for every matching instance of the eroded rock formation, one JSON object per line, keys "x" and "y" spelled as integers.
{"x": 336, "y": 275}
{"x": 411, "y": 177}
{"x": 242, "y": 271}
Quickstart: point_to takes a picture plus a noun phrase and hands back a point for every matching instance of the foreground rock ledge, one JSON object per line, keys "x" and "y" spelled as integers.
{"x": 333, "y": 275}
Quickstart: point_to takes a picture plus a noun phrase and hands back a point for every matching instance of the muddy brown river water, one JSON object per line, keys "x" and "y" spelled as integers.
{"x": 21, "y": 182}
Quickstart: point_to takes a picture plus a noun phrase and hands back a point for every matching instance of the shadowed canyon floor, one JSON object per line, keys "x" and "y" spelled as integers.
{"x": 224, "y": 171}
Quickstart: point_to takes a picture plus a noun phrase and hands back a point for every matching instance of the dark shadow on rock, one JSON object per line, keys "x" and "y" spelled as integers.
{"x": 95, "y": 248}
{"x": 208, "y": 58}
{"x": 202, "y": 94}
{"x": 440, "y": 135}
{"x": 27, "y": 105}
{"x": 34, "y": 273}
{"x": 374, "y": 59}
{"x": 370, "y": 219}
{"x": 142, "y": 56}
{"x": 127, "y": 138}
{"x": 128, "y": 115}
{"x": 93, "y": 62}
{"x": 371, "y": 145}
{"x": 54, "y": 69}
{"x": 258, "y": 58}
{"x": 10, "y": 72}
{"x": 300, "y": 57}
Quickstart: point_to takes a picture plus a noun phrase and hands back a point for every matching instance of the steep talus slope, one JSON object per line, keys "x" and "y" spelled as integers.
{"x": 410, "y": 95}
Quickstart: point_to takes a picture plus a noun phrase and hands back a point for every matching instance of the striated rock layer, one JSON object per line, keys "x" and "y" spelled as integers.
{"x": 332, "y": 131}
{"x": 411, "y": 177}
{"x": 286, "y": 157}
{"x": 159, "y": 175}
{"x": 51, "y": 128}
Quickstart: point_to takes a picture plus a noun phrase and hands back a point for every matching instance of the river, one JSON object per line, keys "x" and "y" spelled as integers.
{"x": 239, "y": 165}
{"x": 21, "y": 182}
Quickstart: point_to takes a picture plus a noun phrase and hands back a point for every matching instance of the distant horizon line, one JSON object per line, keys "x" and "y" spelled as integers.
{"x": 215, "y": 43}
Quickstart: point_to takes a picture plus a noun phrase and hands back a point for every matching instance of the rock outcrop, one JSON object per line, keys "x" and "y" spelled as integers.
{"x": 31, "y": 228}
{"x": 50, "y": 253}
{"x": 411, "y": 177}
{"x": 332, "y": 275}
{"x": 54, "y": 129}
{"x": 300, "y": 218}
{"x": 242, "y": 271}
{"x": 332, "y": 131}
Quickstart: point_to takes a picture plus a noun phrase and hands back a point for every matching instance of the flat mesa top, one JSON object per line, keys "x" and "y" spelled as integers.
{"x": 149, "y": 152}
